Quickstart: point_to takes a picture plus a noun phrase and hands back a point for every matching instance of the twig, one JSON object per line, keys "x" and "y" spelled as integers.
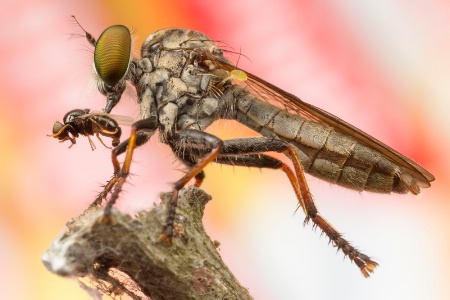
{"x": 124, "y": 258}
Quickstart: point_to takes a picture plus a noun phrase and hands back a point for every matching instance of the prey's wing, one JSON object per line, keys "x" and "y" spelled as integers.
{"x": 120, "y": 119}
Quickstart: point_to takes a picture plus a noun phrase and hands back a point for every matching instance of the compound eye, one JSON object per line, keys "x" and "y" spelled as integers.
{"x": 112, "y": 54}
{"x": 57, "y": 127}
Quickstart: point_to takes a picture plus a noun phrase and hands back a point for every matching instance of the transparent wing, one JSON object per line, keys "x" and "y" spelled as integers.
{"x": 270, "y": 93}
{"x": 120, "y": 119}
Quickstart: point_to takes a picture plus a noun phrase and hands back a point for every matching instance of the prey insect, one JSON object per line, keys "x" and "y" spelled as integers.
{"x": 184, "y": 83}
{"x": 83, "y": 122}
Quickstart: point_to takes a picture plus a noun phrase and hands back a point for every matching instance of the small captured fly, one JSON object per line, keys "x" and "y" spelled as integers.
{"x": 184, "y": 83}
{"x": 84, "y": 122}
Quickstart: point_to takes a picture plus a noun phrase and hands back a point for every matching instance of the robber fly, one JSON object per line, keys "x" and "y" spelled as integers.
{"x": 184, "y": 83}
{"x": 85, "y": 122}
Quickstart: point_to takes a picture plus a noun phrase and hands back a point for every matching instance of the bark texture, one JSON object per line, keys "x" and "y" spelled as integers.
{"x": 124, "y": 258}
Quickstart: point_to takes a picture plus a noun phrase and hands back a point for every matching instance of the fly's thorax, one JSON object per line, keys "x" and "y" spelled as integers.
{"x": 182, "y": 75}
{"x": 175, "y": 39}
{"x": 160, "y": 92}
{"x": 199, "y": 114}
{"x": 138, "y": 68}
{"x": 170, "y": 51}
{"x": 187, "y": 54}
{"x": 174, "y": 61}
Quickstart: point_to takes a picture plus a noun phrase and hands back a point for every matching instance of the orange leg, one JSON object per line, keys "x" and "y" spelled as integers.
{"x": 235, "y": 152}
{"x": 365, "y": 264}
{"x": 191, "y": 137}
{"x": 120, "y": 174}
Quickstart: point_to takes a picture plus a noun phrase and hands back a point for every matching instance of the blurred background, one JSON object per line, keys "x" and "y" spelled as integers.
{"x": 383, "y": 66}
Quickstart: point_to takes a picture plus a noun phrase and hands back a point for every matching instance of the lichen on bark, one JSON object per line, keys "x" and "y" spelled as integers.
{"x": 124, "y": 259}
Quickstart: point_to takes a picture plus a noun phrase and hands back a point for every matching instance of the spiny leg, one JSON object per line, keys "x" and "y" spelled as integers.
{"x": 182, "y": 141}
{"x": 365, "y": 264}
{"x": 142, "y": 138}
{"x": 298, "y": 182}
{"x": 148, "y": 126}
{"x": 122, "y": 147}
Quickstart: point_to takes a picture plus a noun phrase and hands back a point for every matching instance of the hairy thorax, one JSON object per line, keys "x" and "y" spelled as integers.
{"x": 175, "y": 84}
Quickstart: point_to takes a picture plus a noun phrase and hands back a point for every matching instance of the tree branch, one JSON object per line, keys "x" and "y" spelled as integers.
{"x": 124, "y": 258}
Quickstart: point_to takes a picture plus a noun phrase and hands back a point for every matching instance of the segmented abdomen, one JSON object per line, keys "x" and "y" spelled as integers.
{"x": 323, "y": 152}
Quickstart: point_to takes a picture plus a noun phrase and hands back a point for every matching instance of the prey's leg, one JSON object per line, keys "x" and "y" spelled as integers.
{"x": 90, "y": 142}
{"x": 101, "y": 141}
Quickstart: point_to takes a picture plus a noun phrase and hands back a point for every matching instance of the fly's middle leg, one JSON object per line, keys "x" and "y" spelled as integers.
{"x": 187, "y": 144}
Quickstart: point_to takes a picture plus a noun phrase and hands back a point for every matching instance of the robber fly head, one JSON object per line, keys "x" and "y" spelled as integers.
{"x": 112, "y": 56}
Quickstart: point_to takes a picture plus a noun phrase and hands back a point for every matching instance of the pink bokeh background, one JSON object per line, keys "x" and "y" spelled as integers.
{"x": 383, "y": 66}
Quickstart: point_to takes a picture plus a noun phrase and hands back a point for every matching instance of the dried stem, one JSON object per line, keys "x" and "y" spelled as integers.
{"x": 124, "y": 258}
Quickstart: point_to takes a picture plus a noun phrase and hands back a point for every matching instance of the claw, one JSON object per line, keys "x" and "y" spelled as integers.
{"x": 107, "y": 219}
{"x": 365, "y": 264}
{"x": 368, "y": 268}
{"x": 163, "y": 237}
{"x": 166, "y": 235}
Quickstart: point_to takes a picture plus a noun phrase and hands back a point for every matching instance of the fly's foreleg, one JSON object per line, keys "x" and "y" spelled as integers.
{"x": 142, "y": 138}
{"x": 141, "y": 131}
{"x": 240, "y": 149}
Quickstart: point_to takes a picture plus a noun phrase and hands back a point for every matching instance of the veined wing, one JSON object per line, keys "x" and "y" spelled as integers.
{"x": 120, "y": 119}
{"x": 293, "y": 104}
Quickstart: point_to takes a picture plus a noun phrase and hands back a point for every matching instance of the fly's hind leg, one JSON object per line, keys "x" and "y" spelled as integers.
{"x": 365, "y": 264}
{"x": 237, "y": 152}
